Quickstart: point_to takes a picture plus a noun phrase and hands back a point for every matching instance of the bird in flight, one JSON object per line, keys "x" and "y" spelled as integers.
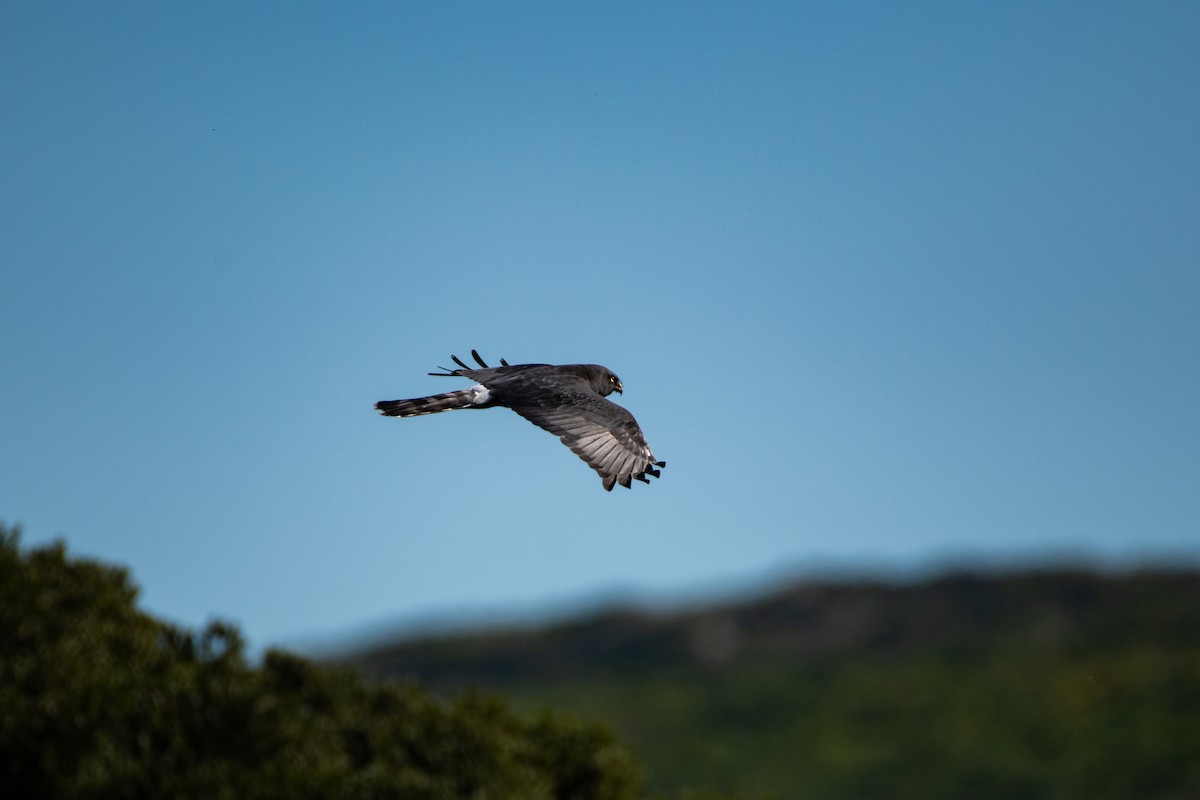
{"x": 569, "y": 400}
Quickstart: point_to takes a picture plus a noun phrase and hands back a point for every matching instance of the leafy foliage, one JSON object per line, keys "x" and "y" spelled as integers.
{"x": 1055, "y": 683}
{"x": 99, "y": 700}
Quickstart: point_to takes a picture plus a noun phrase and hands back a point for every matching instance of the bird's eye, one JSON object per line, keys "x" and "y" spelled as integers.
{"x": 612, "y": 378}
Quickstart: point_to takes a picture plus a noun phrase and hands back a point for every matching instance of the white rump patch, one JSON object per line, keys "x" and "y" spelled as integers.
{"x": 480, "y": 394}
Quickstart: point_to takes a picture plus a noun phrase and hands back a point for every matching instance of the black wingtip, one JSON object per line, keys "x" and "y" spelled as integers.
{"x": 478, "y": 360}
{"x": 456, "y": 360}
{"x": 503, "y": 363}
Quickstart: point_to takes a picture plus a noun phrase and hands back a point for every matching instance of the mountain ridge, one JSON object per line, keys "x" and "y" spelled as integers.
{"x": 1036, "y": 683}
{"x": 809, "y": 617}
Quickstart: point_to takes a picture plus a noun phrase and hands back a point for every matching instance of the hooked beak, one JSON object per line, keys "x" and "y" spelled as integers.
{"x": 619, "y": 388}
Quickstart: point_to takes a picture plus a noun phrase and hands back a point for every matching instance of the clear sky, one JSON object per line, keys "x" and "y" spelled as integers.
{"x": 886, "y": 283}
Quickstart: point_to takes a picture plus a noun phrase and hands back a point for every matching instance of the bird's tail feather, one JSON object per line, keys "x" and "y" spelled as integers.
{"x": 464, "y": 398}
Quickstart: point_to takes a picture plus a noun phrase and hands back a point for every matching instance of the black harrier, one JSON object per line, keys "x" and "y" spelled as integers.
{"x": 569, "y": 401}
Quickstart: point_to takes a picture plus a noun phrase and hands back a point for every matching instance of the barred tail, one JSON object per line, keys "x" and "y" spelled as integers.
{"x": 464, "y": 398}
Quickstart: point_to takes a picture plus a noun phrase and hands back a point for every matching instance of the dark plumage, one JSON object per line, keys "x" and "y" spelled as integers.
{"x": 568, "y": 400}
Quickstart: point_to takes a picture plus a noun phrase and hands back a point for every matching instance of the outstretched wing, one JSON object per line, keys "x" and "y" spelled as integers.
{"x": 600, "y": 432}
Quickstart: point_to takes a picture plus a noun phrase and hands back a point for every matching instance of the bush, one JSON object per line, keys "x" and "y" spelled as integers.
{"x": 100, "y": 700}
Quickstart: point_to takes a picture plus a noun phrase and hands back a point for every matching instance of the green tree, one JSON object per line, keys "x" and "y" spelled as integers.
{"x": 100, "y": 700}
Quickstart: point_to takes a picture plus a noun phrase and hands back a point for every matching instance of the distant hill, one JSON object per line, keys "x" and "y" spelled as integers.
{"x": 1054, "y": 683}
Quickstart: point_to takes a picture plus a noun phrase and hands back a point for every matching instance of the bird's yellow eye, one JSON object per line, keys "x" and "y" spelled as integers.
{"x": 612, "y": 378}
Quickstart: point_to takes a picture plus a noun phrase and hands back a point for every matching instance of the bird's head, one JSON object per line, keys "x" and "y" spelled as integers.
{"x": 602, "y": 379}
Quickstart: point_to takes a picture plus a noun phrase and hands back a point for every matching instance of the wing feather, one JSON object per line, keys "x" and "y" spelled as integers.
{"x": 600, "y": 432}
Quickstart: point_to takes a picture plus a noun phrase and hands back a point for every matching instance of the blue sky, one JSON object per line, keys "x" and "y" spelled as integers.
{"x": 886, "y": 284}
